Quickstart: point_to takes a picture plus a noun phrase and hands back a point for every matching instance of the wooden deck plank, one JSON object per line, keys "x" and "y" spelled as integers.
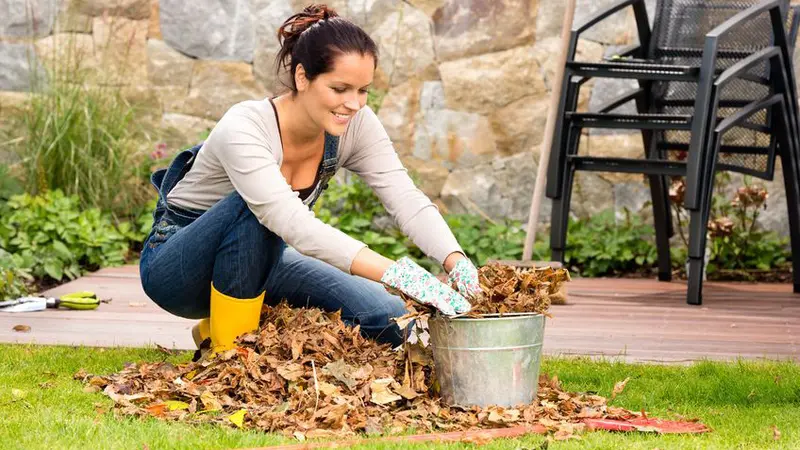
{"x": 628, "y": 319}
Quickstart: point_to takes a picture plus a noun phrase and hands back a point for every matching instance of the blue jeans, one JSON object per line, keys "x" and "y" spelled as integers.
{"x": 226, "y": 244}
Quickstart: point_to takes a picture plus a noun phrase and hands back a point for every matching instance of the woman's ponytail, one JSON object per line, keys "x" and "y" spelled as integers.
{"x": 314, "y": 37}
{"x": 289, "y": 33}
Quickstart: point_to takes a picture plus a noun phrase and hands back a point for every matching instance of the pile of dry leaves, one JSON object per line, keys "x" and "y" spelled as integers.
{"x": 305, "y": 373}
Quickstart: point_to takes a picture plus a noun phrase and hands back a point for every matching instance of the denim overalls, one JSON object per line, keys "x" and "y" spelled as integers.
{"x": 164, "y": 180}
{"x": 188, "y": 249}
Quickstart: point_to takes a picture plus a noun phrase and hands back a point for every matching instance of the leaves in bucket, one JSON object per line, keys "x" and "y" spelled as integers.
{"x": 506, "y": 289}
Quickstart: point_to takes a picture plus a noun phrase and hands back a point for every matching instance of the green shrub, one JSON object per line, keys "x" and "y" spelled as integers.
{"x": 62, "y": 238}
{"x": 78, "y": 138}
{"x": 736, "y": 242}
{"x": 483, "y": 239}
{"x": 375, "y": 99}
{"x": 15, "y": 275}
{"x": 602, "y": 245}
{"x": 354, "y": 209}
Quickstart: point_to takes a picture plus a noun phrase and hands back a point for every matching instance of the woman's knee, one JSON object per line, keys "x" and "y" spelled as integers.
{"x": 247, "y": 254}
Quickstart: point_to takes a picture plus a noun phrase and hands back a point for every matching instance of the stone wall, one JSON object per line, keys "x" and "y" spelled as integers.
{"x": 467, "y": 82}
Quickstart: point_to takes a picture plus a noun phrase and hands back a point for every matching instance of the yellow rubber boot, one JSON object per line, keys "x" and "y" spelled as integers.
{"x": 232, "y": 317}
{"x": 201, "y": 331}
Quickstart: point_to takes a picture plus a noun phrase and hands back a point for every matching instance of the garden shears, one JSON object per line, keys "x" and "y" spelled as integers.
{"x": 83, "y": 300}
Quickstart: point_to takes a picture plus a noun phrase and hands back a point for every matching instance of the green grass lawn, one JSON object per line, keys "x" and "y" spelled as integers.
{"x": 41, "y": 406}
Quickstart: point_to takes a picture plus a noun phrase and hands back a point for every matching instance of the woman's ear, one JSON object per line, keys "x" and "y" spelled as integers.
{"x": 300, "y": 79}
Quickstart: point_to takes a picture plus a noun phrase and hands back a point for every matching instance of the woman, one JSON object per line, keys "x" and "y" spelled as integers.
{"x": 228, "y": 208}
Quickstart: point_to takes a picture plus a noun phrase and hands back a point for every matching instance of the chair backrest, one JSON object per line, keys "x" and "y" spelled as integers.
{"x": 680, "y": 27}
{"x": 679, "y": 30}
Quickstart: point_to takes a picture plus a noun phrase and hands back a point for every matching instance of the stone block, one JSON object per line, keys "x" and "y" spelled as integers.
{"x": 485, "y": 83}
{"x": 27, "y": 18}
{"x": 483, "y": 26}
{"x": 20, "y": 68}
{"x": 218, "y": 85}
{"x": 213, "y": 29}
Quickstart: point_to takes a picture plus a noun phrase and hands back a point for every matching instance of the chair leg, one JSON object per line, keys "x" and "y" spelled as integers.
{"x": 559, "y": 219}
{"x": 659, "y": 194}
{"x": 694, "y": 293}
{"x": 559, "y": 216}
{"x": 791, "y": 179}
{"x": 661, "y": 218}
{"x": 555, "y": 169}
{"x": 698, "y": 226}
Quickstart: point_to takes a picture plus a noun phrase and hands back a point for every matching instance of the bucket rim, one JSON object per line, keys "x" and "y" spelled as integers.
{"x": 494, "y": 317}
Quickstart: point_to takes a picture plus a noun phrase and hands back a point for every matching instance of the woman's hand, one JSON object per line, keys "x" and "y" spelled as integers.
{"x": 408, "y": 277}
{"x": 464, "y": 276}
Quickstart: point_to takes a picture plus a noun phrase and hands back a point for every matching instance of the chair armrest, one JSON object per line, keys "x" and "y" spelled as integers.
{"x": 743, "y": 114}
{"x": 742, "y": 66}
{"x": 642, "y": 25}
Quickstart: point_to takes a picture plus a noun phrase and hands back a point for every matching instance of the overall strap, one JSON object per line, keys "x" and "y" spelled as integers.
{"x": 164, "y": 180}
{"x": 327, "y": 169}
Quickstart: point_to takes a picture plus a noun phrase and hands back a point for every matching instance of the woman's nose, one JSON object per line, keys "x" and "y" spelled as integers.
{"x": 352, "y": 104}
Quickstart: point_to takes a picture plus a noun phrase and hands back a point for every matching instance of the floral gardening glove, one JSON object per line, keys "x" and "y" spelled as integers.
{"x": 409, "y": 278}
{"x": 465, "y": 277}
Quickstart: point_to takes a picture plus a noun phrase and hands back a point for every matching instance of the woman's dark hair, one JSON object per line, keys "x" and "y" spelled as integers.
{"x": 315, "y": 37}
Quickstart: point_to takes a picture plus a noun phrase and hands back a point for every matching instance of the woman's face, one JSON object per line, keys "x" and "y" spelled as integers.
{"x": 332, "y": 98}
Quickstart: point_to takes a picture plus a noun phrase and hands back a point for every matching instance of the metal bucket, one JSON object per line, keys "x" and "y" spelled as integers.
{"x": 493, "y": 360}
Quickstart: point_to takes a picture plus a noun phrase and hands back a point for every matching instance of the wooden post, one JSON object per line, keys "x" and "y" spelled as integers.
{"x": 549, "y": 130}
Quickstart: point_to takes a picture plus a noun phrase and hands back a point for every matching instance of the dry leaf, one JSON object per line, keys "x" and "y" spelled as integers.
{"x": 237, "y": 418}
{"x": 381, "y": 395}
{"x": 776, "y": 434}
{"x": 342, "y": 372}
{"x": 327, "y": 388}
{"x": 22, "y": 328}
{"x": 291, "y": 371}
{"x": 619, "y": 387}
{"x": 210, "y": 401}
{"x": 157, "y": 409}
{"x": 173, "y": 405}
{"x": 136, "y": 304}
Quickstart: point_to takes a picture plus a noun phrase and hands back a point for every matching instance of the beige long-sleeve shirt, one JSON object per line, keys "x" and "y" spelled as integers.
{"x": 244, "y": 153}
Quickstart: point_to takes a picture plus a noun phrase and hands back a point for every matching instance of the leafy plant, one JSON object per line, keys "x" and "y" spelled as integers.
{"x": 77, "y": 138}
{"x": 353, "y": 208}
{"x": 375, "y": 99}
{"x": 483, "y": 239}
{"x": 15, "y": 275}
{"x": 77, "y": 132}
{"x": 602, "y": 245}
{"x": 62, "y": 239}
{"x": 735, "y": 240}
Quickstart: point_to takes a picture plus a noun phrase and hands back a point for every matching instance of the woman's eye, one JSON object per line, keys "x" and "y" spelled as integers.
{"x": 339, "y": 90}
{"x": 364, "y": 91}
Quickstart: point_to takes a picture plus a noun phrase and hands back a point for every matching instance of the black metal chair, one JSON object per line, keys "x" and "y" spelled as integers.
{"x": 769, "y": 120}
{"x": 675, "y": 65}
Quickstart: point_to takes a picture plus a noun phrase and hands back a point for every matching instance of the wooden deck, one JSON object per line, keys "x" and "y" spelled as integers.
{"x": 631, "y": 320}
